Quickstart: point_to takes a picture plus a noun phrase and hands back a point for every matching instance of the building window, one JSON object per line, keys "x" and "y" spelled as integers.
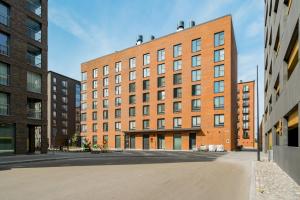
{"x": 131, "y": 111}
{"x": 161, "y": 108}
{"x": 146, "y": 59}
{"x": 177, "y": 93}
{"x": 83, "y": 97}
{"x": 177, "y": 50}
{"x": 105, "y": 82}
{"x": 196, "y": 104}
{"x": 117, "y": 126}
{"x": 219, "y": 120}
{"x": 83, "y": 106}
{"x": 34, "y": 82}
{"x": 131, "y": 87}
{"x": 146, "y": 124}
{"x": 146, "y": 97}
{"x": 95, "y": 84}
{"x": 83, "y": 117}
{"x": 117, "y": 113}
{"x": 196, "y": 90}
{"x": 177, "y": 122}
{"x": 177, "y": 79}
{"x": 196, "y": 45}
{"x": 245, "y": 88}
{"x": 245, "y": 135}
{"x": 105, "y": 127}
{"x": 161, "y": 55}
{"x": 131, "y": 125}
{"x": 196, "y": 75}
{"x": 83, "y": 76}
{"x": 105, "y": 114}
{"x": 291, "y": 57}
{"x": 219, "y": 71}
{"x": 132, "y": 99}
{"x": 132, "y": 63}
{"x": 245, "y": 117}
{"x": 95, "y": 94}
{"x": 219, "y": 39}
{"x": 118, "y": 90}
{"x": 95, "y": 73}
{"x": 245, "y": 110}
{"x": 218, "y": 86}
{"x": 177, "y": 65}
{"x": 105, "y": 70}
{"x": 5, "y": 14}
{"x": 118, "y": 67}
{"x": 83, "y": 86}
{"x": 219, "y": 55}
{"x": 94, "y": 115}
{"x": 132, "y": 75}
{"x": 177, "y": 107}
{"x": 161, "y": 69}
{"x": 196, "y": 121}
{"x": 118, "y": 101}
{"x": 105, "y": 103}
{"x": 83, "y": 128}
{"x": 219, "y": 102}
{"x": 118, "y": 79}
{"x": 161, "y": 95}
{"x": 160, "y": 123}
{"x": 146, "y": 84}
{"x": 4, "y": 104}
{"x": 4, "y": 44}
{"x": 105, "y": 92}
{"x": 196, "y": 61}
{"x": 95, "y": 127}
{"x": 146, "y": 110}
{"x": 161, "y": 82}
{"x": 94, "y": 105}
{"x": 4, "y": 71}
{"x": 146, "y": 72}
{"x": 246, "y": 125}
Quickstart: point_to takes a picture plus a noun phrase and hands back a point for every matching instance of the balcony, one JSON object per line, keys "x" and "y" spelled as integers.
{"x": 34, "y": 30}
{"x": 35, "y": 7}
{"x": 34, "y": 109}
{"x": 34, "y": 56}
{"x": 4, "y": 109}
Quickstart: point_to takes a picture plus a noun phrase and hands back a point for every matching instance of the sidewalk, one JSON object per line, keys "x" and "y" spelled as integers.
{"x": 272, "y": 183}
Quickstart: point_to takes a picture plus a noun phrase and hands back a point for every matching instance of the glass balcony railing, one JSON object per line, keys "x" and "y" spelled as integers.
{"x": 4, "y": 19}
{"x": 34, "y": 60}
{"x": 4, "y": 79}
{"x": 34, "y": 113}
{"x": 4, "y": 109}
{"x": 4, "y": 49}
{"x": 34, "y": 34}
{"x": 36, "y": 8}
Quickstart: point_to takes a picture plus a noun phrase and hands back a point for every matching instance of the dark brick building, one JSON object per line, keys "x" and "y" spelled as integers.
{"x": 63, "y": 109}
{"x": 23, "y": 76}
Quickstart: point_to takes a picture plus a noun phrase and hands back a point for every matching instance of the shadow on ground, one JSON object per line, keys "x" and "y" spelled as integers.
{"x": 120, "y": 158}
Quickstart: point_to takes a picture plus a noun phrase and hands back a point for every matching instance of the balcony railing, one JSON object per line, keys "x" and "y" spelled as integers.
{"x": 35, "y": 8}
{"x": 4, "y": 109}
{"x": 34, "y": 60}
{"x": 4, "y": 49}
{"x": 34, "y": 34}
{"x": 4, "y": 20}
{"x": 34, "y": 114}
{"x": 4, "y": 79}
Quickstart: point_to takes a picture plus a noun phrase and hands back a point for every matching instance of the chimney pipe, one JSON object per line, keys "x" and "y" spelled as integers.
{"x": 180, "y": 26}
{"x": 152, "y": 37}
{"x": 139, "y": 40}
{"x": 193, "y": 23}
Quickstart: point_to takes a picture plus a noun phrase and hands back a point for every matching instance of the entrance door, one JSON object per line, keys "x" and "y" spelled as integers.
{"x": 132, "y": 141}
{"x": 160, "y": 142}
{"x": 192, "y": 141}
{"x": 145, "y": 141}
{"x": 127, "y": 140}
{"x": 177, "y": 142}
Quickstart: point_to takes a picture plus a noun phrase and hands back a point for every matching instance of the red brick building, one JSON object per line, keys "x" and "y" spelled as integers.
{"x": 176, "y": 92}
{"x": 246, "y": 112}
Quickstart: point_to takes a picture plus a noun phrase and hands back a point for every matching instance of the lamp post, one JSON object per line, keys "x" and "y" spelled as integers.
{"x": 257, "y": 116}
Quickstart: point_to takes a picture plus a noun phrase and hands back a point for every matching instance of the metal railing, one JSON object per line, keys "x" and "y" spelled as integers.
{"x": 4, "y": 109}
{"x": 4, "y": 50}
{"x": 34, "y": 113}
{"x": 34, "y": 60}
{"x": 4, "y": 79}
{"x": 35, "y": 8}
{"x": 34, "y": 34}
{"x": 4, "y": 20}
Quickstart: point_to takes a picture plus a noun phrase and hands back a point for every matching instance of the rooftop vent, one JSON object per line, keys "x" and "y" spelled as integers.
{"x": 192, "y": 24}
{"x": 152, "y": 37}
{"x": 180, "y": 26}
{"x": 139, "y": 40}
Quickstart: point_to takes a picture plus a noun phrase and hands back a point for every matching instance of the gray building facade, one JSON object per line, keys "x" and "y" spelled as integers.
{"x": 282, "y": 84}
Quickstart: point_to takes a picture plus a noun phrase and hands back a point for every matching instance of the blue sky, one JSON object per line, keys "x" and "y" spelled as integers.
{"x": 79, "y": 31}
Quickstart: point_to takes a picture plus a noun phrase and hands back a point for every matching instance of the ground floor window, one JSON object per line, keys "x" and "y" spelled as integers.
{"x": 161, "y": 142}
{"x": 7, "y": 138}
{"x": 293, "y": 132}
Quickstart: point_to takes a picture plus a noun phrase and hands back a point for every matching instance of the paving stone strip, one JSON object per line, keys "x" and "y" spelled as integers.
{"x": 272, "y": 183}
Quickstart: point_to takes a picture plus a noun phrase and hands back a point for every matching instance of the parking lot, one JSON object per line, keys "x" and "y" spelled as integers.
{"x": 130, "y": 175}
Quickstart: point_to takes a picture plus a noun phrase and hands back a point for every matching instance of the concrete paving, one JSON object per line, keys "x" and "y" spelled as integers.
{"x": 131, "y": 175}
